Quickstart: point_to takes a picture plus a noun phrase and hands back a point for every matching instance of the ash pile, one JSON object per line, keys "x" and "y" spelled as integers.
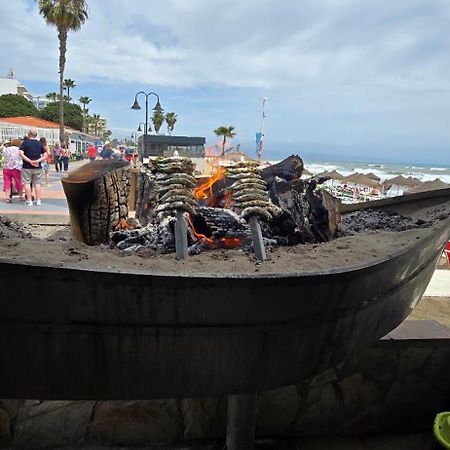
{"x": 237, "y": 206}
{"x": 371, "y": 221}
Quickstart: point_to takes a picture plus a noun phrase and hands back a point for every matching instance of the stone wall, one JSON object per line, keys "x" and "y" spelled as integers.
{"x": 396, "y": 386}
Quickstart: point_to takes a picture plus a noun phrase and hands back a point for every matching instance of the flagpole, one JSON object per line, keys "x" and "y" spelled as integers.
{"x": 260, "y": 148}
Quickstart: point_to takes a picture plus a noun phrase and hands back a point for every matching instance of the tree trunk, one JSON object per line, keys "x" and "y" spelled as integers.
{"x": 62, "y": 36}
{"x": 223, "y": 145}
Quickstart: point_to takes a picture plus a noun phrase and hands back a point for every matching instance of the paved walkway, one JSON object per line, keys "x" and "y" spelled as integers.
{"x": 54, "y": 205}
{"x": 439, "y": 285}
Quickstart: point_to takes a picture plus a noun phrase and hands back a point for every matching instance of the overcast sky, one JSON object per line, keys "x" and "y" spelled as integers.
{"x": 367, "y": 79}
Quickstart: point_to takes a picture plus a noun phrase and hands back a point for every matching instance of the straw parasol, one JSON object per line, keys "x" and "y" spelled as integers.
{"x": 306, "y": 172}
{"x": 237, "y": 155}
{"x": 372, "y": 176}
{"x": 400, "y": 180}
{"x": 333, "y": 175}
{"x": 360, "y": 178}
{"x": 428, "y": 186}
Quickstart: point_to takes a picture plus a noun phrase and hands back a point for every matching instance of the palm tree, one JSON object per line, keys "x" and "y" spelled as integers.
{"x": 84, "y": 100}
{"x": 69, "y": 84}
{"x": 96, "y": 122}
{"x": 171, "y": 120}
{"x": 157, "y": 119}
{"x": 65, "y": 15}
{"x": 226, "y": 132}
{"x": 53, "y": 96}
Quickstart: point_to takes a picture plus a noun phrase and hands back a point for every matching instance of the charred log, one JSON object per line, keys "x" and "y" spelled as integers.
{"x": 289, "y": 169}
{"x": 218, "y": 223}
{"x": 97, "y": 195}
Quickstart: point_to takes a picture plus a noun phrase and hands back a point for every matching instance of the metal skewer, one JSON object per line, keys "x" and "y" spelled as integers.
{"x": 257, "y": 238}
{"x": 181, "y": 243}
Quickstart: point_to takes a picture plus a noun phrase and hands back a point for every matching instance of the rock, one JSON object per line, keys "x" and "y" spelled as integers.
{"x": 322, "y": 405}
{"x": 137, "y": 423}
{"x": 52, "y": 423}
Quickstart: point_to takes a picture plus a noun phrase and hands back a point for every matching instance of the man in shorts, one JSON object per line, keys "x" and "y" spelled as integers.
{"x": 33, "y": 153}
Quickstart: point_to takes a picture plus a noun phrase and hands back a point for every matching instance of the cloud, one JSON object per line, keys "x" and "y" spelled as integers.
{"x": 253, "y": 43}
{"x": 353, "y": 71}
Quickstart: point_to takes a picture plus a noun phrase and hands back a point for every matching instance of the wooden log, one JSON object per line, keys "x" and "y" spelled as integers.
{"x": 93, "y": 194}
{"x": 132, "y": 198}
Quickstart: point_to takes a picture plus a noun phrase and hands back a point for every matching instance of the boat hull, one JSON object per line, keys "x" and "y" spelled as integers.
{"x": 77, "y": 334}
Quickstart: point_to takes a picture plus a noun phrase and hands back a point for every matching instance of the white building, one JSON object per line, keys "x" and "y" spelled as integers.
{"x": 18, "y": 127}
{"x": 41, "y": 101}
{"x": 12, "y": 86}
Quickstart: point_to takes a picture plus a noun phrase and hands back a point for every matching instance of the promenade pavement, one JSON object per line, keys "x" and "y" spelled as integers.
{"x": 53, "y": 211}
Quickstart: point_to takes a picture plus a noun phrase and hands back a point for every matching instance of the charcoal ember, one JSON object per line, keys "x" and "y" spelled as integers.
{"x": 368, "y": 220}
{"x": 284, "y": 229}
{"x": 218, "y": 223}
{"x": 119, "y": 236}
{"x": 133, "y": 248}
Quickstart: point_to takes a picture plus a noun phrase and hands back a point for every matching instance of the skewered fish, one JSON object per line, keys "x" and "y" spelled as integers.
{"x": 174, "y": 183}
{"x": 249, "y": 191}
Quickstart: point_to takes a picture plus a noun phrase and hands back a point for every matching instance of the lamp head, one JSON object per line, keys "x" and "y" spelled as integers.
{"x": 136, "y": 104}
{"x": 139, "y": 128}
{"x": 158, "y": 107}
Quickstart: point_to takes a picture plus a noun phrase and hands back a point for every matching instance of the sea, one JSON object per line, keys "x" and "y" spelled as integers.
{"x": 384, "y": 171}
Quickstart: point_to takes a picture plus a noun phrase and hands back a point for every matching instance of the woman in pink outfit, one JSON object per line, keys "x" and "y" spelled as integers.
{"x": 12, "y": 170}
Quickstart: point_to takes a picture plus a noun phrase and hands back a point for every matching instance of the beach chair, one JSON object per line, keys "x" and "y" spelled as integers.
{"x": 441, "y": 429}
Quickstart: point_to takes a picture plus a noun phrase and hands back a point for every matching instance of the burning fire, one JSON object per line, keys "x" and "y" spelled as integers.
{"x": 227, "y": 243}
{"x": 200, "y": 191}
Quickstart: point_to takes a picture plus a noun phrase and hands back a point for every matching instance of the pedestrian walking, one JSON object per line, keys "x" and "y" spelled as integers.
{"x": 66, "y": 155}
{"x": 32, "y": 153}
{"x": 57, "y": 157}
{"x": 92, "y": 152}
{"x": 107, "y": 152}
{"x": 12, "y": 170}
{"x": 45, "y": 164}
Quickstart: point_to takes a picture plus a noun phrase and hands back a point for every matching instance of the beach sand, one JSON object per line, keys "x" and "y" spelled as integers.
{"x": 53, "y": 246}
{"x": 433, "y": 308}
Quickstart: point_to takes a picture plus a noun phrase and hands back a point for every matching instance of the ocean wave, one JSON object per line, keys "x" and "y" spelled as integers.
{"x": 439, "y": 169}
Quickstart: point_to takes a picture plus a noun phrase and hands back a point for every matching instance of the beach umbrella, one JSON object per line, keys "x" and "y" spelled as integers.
{"x": 237, "y": 155}
{"x": 372, "y": 176}
{"x": 400, "y": 180}
{"x": 428, "y": 186}
{"x": 364, "y": 180}
{"x": 333, "y": 175}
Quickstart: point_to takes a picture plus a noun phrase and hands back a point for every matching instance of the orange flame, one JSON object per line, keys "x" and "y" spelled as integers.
{"x": 227, "y": 243}
{"x": 200, "y": 191}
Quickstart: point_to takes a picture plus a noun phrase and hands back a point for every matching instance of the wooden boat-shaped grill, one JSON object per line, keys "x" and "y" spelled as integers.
{"x": 100, "y": 335}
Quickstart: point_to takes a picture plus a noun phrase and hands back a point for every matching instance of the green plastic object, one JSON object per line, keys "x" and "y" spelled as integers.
{"x": 441, "y": 429}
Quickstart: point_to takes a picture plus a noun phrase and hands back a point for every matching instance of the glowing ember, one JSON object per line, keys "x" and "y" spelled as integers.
{"x": 227, "y": 243}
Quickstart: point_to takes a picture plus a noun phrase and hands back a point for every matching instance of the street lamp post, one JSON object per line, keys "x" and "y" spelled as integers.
{"x": 137, "y": 106}
{"x": 147, "y": 127}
